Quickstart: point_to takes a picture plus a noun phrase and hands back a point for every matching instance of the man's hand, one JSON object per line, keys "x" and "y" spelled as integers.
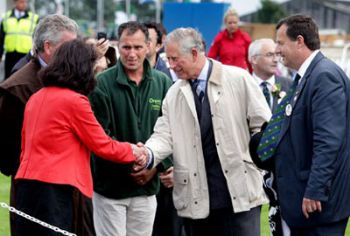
{"x": 144, "y": 176}
{"x": 101, "y": 47}
{"x": 310, "y": 206}
{"x": 167, "y": 177}
{"x": 141, "y": 156}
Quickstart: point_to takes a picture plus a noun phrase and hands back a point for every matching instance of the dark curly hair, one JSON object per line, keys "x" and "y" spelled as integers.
{"x": 72, "y": 67}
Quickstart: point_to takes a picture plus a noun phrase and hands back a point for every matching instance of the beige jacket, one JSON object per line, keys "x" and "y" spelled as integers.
{"x": 238, "y": 109}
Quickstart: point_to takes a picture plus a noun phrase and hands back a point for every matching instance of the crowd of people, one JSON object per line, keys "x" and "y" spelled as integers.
{"x": 102, "y": 140}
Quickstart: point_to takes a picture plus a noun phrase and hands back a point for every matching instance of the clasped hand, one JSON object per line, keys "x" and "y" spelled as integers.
{"x": 141, "y": 157}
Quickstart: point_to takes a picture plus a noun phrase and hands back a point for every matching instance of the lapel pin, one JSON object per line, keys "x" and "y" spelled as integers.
{"x": 289, "y": 110}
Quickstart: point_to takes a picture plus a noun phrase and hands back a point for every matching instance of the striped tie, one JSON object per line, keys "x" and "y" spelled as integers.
{"x": 266, "y": 93}
{"x": 198, "y": 89}
{"x": 269, "y": 139}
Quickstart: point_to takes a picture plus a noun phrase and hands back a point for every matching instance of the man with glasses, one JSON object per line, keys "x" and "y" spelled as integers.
{"x": 263, "y": 58}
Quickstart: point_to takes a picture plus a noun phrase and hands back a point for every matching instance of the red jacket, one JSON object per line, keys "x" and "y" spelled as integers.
{"x": 59, "y": 130}
{"x": 231, "y": 51}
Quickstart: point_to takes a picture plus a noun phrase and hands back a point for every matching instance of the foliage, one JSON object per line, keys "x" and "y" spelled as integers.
{"x": 270, "y": 12}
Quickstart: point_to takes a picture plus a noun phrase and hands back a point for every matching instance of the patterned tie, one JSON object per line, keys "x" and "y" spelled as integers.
{"x": 269, "y": 139}
{"x": 198, "y": 89}
{"x": 266, "y": 93}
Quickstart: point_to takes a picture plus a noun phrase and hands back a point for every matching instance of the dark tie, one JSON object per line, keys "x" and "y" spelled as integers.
{"x": 266, "y": 93}
{"x": 270, "y": 137}
{"x": 198, "y": 89}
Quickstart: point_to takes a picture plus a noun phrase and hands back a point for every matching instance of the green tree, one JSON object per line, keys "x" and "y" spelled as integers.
{"x": 270, "y": 12}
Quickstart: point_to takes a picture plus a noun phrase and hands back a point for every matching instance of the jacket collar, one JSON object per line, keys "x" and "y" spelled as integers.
{"x": 286, "y": 123}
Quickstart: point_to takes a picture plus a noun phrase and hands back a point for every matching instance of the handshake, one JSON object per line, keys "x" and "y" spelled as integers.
{"x": 142, "y": 157}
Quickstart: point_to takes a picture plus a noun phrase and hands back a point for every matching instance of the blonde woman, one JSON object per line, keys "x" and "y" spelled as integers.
{"x": 230, "y": 45}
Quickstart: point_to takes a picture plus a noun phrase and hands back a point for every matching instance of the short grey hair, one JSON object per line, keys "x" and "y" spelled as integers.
{"x": 186, "y": 38}
{"x": 50, "y": 28}
{"x": 255, "y": 47}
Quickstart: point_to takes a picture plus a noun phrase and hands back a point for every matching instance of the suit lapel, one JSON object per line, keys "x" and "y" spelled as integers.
{"x": 298, "y": 94}
{"x": 187, "y": 92}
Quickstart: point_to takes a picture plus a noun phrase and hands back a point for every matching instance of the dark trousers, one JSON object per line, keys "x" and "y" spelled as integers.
{"x": 50, "y": 203}
{"x": 59, "y": 205}
{"x": 224, "y": 222}
{"x": 332, "y": 229}
{"x": 11, "y": 58}
{"x": 167, "y": 222}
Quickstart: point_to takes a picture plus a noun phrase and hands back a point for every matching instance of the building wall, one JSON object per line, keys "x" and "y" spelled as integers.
{"x": 326, "y": 17}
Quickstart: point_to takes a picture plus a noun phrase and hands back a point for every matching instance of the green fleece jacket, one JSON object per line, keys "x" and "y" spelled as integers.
{"x": 128, "y": 113}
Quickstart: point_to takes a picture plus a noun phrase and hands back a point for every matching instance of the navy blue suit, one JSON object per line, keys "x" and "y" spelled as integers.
{"x": 312, "y": 158}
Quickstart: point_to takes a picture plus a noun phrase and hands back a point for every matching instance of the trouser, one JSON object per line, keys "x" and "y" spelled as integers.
{"x": 11, "y": 58}
{"x": 59, "y": 205}
{"x": 167, "y": 222}
{"x": 332, "y": 229}
{"x": 49, "y": 203}
{"x": 223, "y": 222}
{"x": 132, "y": 216}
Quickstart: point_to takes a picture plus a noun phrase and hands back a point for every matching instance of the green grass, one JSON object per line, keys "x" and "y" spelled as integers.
{"x": 4, "y": 216}
{"x": 4, "y": 197}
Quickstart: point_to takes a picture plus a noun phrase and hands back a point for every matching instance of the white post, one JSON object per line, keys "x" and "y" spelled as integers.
{"x": 100, "y": 15}
{"x": 127, "y": 8}
{"x": 66, "y": 8}
{"x": 158, "y": 10}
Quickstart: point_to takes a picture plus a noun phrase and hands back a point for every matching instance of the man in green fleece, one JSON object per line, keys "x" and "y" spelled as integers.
{"x": 127, "y": 102}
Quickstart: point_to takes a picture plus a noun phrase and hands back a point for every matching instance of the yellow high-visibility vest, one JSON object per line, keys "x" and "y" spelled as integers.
{"x": 18, "y": 33}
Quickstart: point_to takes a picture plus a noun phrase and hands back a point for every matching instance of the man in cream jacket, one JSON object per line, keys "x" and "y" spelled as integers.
{"x": 208, "y": 118}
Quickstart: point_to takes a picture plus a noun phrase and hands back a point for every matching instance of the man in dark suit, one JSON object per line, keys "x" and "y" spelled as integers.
{"x": 264, "y": 59}
{"x": 312, "y": 133}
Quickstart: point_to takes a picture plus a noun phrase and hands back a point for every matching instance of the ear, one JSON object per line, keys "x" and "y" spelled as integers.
{"x": 254, "y": 60}
{"x": 194, "y": 52}
{"x": 48, "y": 48}
{"x": 148, "y": 44}
{"x": 158, "y": 46}
{"x": 300, "y": 41}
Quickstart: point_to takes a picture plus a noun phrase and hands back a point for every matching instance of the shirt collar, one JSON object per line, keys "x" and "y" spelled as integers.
{"x": 204, "y": 72}
{"x": 271, "y": 81}
{"x": 18, "y": 13}
{"x": 306, "y": 63}
{"x": 42, "y": 62}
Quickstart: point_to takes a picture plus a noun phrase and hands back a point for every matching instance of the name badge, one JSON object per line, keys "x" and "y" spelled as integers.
{"x": 289, "y": 110}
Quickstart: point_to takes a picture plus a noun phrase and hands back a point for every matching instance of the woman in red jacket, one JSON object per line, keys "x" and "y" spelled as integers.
{"x": 59, "y": 130}
{"x": 230, "y": 46}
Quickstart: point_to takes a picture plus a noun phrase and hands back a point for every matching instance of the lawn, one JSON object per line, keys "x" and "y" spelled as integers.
{"x": 4, "y": 197}
{"x": 4, "y": 223}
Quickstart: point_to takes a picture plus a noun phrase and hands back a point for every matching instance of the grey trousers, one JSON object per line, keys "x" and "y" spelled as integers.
{"x": 224, "y": 222}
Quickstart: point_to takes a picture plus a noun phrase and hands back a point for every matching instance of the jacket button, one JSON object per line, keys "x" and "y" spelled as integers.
{"x": 234, "y": 198}
{"x": 185, "y": 180}
{"x": 226, "y": 171}
{"x": 195, "y": 174}
{"x": 245, "y": 172}
{"x": 217, "y": 144}
{"x": 196, "y": 202}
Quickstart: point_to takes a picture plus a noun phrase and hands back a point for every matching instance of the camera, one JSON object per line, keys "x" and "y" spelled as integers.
{"x": 101, "y": 35}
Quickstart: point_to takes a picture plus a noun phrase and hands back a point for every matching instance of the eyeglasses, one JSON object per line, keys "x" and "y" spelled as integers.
{"x": 270, "y": 54}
